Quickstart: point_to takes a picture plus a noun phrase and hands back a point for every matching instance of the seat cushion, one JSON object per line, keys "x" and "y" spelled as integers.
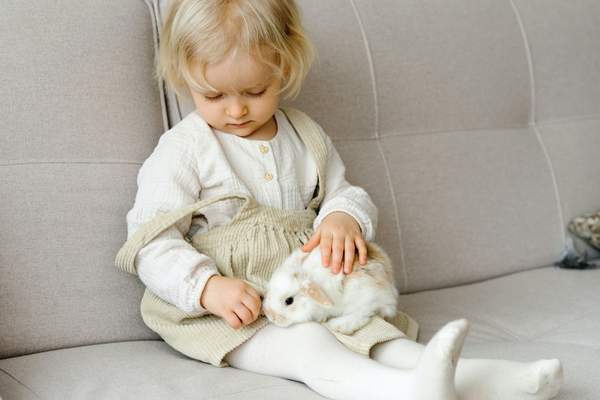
{"x": 151, "y": 370}
{"x": 542, "y": 313}
{"x": 136, "y": 370}
{"x": 580, "y": 363}
{"x": 550, "y": 305}
{"x": 537, "y": 314}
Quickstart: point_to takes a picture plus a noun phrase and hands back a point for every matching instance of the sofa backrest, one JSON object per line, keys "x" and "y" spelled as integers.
{"x": 473, "y": 125}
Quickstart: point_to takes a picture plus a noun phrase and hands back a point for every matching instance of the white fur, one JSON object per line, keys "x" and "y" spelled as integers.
{"x": 320, "y": 295}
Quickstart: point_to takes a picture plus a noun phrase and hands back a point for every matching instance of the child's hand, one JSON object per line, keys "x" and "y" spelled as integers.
{"x": 232, "y": 299}
{"x": 338, "y": 234}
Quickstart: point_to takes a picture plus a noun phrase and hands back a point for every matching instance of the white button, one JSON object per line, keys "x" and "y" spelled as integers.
{"x": 268, "y": 176}
{"x": 263, "y": 149}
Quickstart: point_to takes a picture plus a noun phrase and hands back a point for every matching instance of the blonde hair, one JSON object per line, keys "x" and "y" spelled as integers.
{"x": 202, "y": 32}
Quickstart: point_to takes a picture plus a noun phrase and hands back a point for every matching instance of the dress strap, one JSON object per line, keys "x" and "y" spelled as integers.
{"x": 125, "y": 259}
{"x": 311, "y": 135}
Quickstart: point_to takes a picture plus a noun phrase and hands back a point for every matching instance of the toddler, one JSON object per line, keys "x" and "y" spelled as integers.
{"x": 236, "y": 186}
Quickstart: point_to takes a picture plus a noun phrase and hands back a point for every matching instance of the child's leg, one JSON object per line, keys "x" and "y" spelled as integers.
{"x": 482, "y": 379}
{"x": 309, "y": 353}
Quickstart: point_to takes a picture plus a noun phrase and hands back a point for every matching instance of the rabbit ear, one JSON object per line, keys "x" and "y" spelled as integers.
{"x": 314, "y": 291}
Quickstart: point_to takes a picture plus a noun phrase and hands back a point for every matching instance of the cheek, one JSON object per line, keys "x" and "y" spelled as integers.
{"x": 267, "y": 104}
{"x": 263, "y": 110}
{"x": 210, "y": 113}
{"x": 207, "y": 110}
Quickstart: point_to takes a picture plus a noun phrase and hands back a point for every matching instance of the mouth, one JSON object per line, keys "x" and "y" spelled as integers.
{"x": 240, "y": 125}
{"x": 276, "y": 319}
{"x": 267, "y": 312}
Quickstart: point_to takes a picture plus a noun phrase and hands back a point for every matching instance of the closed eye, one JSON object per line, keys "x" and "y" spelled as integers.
{"x": 256, "y": 94}
{"x": 217, "y": 97}
{"x": 213, "y": 98}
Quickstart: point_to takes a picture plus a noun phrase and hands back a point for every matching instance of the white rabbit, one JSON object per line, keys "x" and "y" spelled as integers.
{"x": 302, "y": 289}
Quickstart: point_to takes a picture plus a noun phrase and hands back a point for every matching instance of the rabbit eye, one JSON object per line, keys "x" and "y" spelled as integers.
{"x": 289, "y": 300}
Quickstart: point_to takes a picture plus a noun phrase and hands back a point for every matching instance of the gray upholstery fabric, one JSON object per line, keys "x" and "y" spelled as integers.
{"x": 475, "y": 127}
{"x": 79, "y": 112}
{"x": 524, "y": 326}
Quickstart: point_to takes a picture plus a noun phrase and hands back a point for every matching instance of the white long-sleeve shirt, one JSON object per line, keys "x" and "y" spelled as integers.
{"x": 192, "y": 161}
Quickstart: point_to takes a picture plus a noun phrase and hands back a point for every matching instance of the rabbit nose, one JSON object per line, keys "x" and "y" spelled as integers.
{"x": 274, "y": 317}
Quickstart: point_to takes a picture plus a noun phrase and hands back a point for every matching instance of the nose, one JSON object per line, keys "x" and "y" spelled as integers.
{"x": 236, "y": 109}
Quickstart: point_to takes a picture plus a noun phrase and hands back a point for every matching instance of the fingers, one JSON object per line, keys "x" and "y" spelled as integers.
{"x": 338, "y": 252}
{"x": 348, "y": 255}
{"x": 362, "y": 251}
{"x": 313, "y": 242}
{"x": 246, "y": 311}
{"x": 252, "y": 302}
{"x": 326, "y": 250}
{"x": 337, "y": 255}
{"x": 233, "y": 320}
{"x": 244, "y": 314}
{"x": 254, "y": 294}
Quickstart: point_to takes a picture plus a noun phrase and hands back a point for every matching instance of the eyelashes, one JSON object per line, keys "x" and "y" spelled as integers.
{"x": 213, "y": 98}
{"x": 220, "y": 96}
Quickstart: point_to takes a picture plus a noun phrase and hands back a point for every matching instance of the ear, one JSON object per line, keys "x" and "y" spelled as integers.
{"x": 315, "y": 292}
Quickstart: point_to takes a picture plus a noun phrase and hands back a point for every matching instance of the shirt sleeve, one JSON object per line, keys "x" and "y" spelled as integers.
{"x": 168, "y": 265}
{"x": 342, "y": 196}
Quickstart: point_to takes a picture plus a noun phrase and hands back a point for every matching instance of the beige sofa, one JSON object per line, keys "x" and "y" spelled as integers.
{"x": 474, "y": 125}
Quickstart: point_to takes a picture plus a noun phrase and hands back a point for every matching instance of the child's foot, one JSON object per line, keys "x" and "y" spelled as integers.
{"x": 481, "y": 379}
{"x": 543, "y": 379}
{"x": 437, "y": 364}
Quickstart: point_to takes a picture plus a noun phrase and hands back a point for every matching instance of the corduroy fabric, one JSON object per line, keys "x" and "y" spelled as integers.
{"x": 250, "y": 247}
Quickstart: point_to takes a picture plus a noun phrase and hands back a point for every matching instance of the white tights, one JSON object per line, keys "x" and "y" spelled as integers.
{"x": 397, "y": 369}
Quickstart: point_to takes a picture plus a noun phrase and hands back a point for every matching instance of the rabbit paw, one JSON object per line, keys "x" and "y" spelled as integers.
{"x": 347, "y": 324}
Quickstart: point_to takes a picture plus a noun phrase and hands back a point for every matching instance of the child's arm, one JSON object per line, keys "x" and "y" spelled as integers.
{"x": 169, "y": 266}
{"x": 345, "y": 209}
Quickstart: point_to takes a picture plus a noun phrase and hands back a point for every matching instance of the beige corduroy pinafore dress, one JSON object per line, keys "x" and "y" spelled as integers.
{"x": 249, "y": 247}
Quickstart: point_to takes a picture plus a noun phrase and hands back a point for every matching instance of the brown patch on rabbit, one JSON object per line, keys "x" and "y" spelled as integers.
{"x": 380, "y": 278}
{"x": 357, "y": 273}
{"x": 314, "y": 291}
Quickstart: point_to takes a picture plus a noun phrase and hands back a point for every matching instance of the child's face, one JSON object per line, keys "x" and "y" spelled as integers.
{"x": 246, "y": 100}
